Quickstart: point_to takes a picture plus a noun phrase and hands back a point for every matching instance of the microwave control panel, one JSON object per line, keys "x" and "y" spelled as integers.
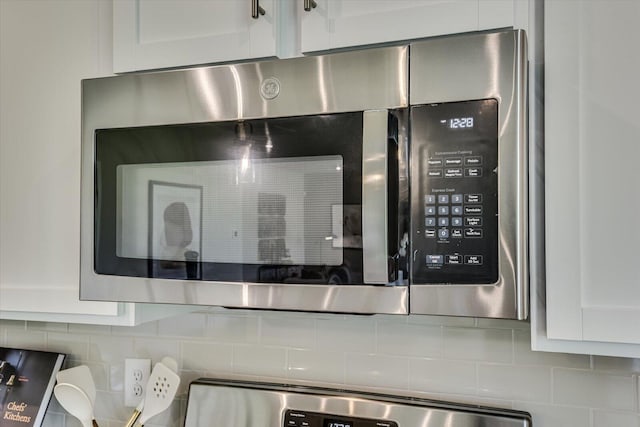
{"x": 454, "y": 199}
{"x": 316, "y": 419}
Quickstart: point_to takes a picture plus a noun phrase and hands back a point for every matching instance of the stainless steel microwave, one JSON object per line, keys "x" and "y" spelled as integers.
{"x": 384, "y": 180}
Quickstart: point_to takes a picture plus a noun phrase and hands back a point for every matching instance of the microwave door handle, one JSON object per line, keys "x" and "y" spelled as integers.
{"x": 375, "y": 234}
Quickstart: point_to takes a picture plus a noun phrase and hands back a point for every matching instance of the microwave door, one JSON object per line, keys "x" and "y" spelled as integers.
{"x": 283, "y": 213}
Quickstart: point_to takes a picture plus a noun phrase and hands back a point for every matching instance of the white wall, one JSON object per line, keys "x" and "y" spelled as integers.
{"x": 469, "y": 360}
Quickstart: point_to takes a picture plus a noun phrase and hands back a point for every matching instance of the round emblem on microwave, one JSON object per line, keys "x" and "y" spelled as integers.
{"x": 270, "y": 88}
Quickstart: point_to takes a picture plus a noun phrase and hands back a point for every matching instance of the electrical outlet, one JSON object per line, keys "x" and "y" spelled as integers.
{"x": 136, "y": 375}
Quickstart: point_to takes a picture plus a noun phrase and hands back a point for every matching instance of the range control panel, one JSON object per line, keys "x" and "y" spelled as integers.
{"x": 454, "y": 200}
{"x": 294, "y": 418}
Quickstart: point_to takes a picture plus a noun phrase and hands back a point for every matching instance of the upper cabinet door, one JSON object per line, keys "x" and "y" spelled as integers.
{"x": 343, "y": 23}
{"x": 40, "y": 160}
{"x": 592, "y": 185}
{"x": 152, "y": 34}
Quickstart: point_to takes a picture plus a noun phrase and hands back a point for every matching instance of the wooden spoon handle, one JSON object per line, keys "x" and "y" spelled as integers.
{"x": 133, "y": 419}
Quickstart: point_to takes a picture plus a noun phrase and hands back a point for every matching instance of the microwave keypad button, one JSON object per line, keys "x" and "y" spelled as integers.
{"x": 453, "y": 161}
{"x": 435, "y": 173}
{"x": 443, "y": 221}
{"x": 473, "y": 198}
{"x": 456, "y": 221}
{"x": 435, "y": 259}
{"x": 453, "y": 173}
{"x": 473, "y": 233}
{"x": 473, "y": 160}
{"x": 473, "y": 210}
{"x": 473, "y": 259}
{"x": 443, "y": 210}
{"x": 453, "y": 259}
{"x": 429, "y": 221}
{"x": 456, "y": 198}
{"x": 429, "y": 199}
{"x": 434, "y": 163}
{"x": 473, "y": 221}
{"x": 473, "y": 172}
{"x": 456, "y": 210}
{"x": 443, "y": 233}
{"x": 443, "y": 198}
{"x": 430, "y": 233}
{"x": 430, "y": 210}
{"x": 456, "y": 233}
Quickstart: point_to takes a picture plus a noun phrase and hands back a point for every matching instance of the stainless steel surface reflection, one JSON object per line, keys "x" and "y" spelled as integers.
{"x": 246, "y": 404}
{"x": 485, "y": 66}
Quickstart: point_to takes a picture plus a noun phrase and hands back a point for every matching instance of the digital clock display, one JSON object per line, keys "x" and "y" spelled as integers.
{"x": 337, "y": 423}
{"x": 459, "y": 123}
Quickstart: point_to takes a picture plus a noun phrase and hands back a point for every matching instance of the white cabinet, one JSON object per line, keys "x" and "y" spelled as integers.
{"x": 152, "y": 34}
{"x": 46, "y": 48}
{"x": 592, "y": 184}
{"x": 343, "y": 23}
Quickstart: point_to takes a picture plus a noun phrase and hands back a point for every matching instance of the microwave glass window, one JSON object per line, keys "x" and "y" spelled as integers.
{"x": 262, "y": 211}
{"x": 273, "y": 201}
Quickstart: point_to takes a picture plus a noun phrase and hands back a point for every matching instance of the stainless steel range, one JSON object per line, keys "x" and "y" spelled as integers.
{"x": 246, "y": 404}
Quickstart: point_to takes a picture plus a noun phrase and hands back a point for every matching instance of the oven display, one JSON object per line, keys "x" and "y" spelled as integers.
{"x": 294, "y": 418}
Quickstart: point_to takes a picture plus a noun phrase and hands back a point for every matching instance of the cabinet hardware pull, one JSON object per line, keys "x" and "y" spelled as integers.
{"x": 256, "y": 9}
{"x": 309, "y": 4}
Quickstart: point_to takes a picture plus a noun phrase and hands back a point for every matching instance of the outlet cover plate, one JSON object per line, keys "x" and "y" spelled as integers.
{"x": 136, "y": 376}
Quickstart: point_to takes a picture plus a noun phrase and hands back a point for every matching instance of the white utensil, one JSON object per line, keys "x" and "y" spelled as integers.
{"x": 79, "y": 376}
{"x": 75, "y": 402}
{"x": 161, "y": 389}
{"x": 168, "y": 363}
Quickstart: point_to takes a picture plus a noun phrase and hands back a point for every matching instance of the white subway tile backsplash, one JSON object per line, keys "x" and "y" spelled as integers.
{"x": 532, "y": 383}
{"x": 377, "y": 371}
{"x": 142, "y": 330}
{"x": 260, "y": 361}
{"x": 613, "y": 419}
{"x": 89, "y": 329}
{"x": 155, "y": 348}
{"x": 48, "y": 326}
{"x": 205, "y": 356}
{"x": 346, "y": 333}
{"x": 616, "y": 364}
{"x": 504, "y": 324}
{"x": 557, "y": 416}
{"x": 594, "y": 389}
{"x": 110, "y": 349}
{"x": 403, "y": 339}
{"x": 75, "y": 345}
{"x": 443, "y": 376}
{"x": 317, "y": 365}
{"x": 476, "y": 361}
{"x": 487, "y": 345}
{"x": 463, "y": 322}
{"x": 32, "y": 340}
{"x": 194, "y": 325}
{"x": 232, "y": 328}
{"x": 292, "y": 331}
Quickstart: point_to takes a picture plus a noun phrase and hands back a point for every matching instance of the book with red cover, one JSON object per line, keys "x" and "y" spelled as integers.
{"x": 27, "y": 378}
